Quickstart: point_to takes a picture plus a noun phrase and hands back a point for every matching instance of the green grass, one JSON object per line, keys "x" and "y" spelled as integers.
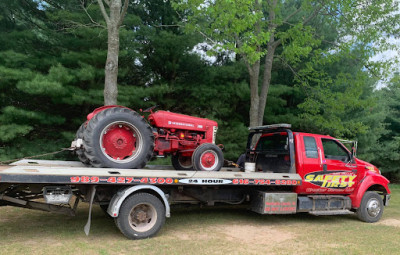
{"x": 203, "y": 231}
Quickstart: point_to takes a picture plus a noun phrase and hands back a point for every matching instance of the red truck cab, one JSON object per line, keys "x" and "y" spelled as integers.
{"x": 334, "y": 181}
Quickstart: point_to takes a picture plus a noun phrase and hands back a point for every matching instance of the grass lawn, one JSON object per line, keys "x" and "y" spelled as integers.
{"x": 203, "y": 231}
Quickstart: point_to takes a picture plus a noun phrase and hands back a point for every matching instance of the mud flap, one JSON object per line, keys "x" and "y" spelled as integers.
{"x": 87, "y": 226}
{"x": 386, "y": 200}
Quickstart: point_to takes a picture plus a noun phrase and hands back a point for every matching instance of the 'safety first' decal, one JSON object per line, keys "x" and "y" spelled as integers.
{"x": 331, "y": 179}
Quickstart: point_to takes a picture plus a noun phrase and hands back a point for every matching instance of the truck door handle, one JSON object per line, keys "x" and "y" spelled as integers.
{"x": 354, "y": 171}
{"x": 320, "y": 156}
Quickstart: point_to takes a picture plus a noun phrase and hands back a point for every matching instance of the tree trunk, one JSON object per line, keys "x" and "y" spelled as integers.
{"x": 113, "y": 20}
{"x": 254, "y": 73}
{"x": 259, "y": 100}
{"x": 111, "y": 68}
{"x": 269, "y": 58}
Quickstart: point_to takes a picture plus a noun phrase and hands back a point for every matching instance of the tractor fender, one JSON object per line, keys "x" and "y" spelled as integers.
{"x": 100, "y": 109}
{"x": 121, "y": 195}
{"x": 371, "y": 182}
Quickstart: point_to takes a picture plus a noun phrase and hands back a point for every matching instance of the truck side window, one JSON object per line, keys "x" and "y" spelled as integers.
{"x": 333, "y": 150}
{"x": 310, "y": 147}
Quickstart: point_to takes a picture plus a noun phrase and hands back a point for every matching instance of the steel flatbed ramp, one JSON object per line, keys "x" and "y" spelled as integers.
{"x": 71, "y": 172}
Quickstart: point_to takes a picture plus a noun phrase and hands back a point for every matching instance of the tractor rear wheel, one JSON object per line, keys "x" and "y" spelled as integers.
{"x": 180, "y": 162}
{"x": 208, "y": 157}
{"x": 118, "y": 138}
{"x": 80, "y": 152}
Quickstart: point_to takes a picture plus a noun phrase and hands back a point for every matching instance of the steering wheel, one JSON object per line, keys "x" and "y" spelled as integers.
{"x": 150, "y": 109}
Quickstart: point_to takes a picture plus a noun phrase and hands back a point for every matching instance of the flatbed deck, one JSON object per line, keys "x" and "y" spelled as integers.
{"x": 72, "y": 172}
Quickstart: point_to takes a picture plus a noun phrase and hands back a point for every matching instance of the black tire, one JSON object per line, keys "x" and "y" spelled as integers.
{"x": 141, "y": 216}
{"x": 371, "y": 207}
{"x": 131, "y": 142}
{"x": 208, "y": 157}
{"x": 180, "y": 162}
{"x": 81, "y": 152}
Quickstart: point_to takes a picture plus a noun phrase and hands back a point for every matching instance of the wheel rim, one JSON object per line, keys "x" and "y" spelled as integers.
{"x": 373, "y": 207}
{"x": 142, "y": 217}
{"x": 209, "y": 160}
{"x": 121, "y": 142}
{"x": 185, "y": 162}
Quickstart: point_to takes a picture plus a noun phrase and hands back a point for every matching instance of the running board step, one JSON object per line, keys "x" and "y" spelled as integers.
{"x": 330, "y": 212}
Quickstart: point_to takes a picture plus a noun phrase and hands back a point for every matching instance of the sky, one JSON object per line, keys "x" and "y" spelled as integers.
{"x": 387, "y": 56}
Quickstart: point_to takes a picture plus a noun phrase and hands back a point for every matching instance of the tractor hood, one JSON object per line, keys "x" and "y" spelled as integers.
{"x": 170, "y": 120}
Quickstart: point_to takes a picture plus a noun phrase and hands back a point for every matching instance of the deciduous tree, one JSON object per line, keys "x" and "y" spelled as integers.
{"x": 272, "y": 30}
{"x": 114, "y": 18}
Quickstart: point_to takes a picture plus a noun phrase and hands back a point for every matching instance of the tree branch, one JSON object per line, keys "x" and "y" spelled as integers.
{"x": 73, "y": 25}
{"x": 90, "y": 17}
{"x": 103, "y": 11}
{"x": 208, "y": 38}
{"x": 167, "y": 25}
{"x": 54, "y": 4}
{"x": 291, "y": 15}
{"x": 239, "y": 44}
{"x": 123, "y": 13}
{"x": 294, "y": 73}
{"x": 315, "y": 13}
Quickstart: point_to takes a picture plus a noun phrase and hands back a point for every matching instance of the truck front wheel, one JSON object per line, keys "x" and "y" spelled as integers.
{"x": 371, "y": 207}
{"x": 141, "y": 216}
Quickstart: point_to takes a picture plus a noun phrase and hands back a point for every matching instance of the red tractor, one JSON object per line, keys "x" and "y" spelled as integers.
{"x": 118, "y": 137}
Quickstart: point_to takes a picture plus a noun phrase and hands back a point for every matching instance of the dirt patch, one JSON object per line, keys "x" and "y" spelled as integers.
{"x": 190, "y": 236}
{"x": 256, "y": 234}
{"x": 391, "y": 223}
{"x": 246, "y": 234}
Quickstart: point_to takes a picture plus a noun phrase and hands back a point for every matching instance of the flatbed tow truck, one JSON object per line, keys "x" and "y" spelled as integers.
{"x": 156, "y": 188}
{"x": 284, "y": 172}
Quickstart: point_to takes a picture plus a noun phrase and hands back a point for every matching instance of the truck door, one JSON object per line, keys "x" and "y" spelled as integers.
{"x": 309, "y": 161}
{"x": 340, "y": 174}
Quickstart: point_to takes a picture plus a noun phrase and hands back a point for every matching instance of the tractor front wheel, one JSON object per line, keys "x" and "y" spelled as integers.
{"x": 208, "y": 157}
{"x": 118, "y": 138}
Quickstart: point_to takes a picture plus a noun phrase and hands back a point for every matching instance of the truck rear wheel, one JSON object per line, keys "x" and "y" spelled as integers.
{"x": 371, "y": 207}
{"x": 141, "y": 216}
{"x": 80, "y": 152}
{"x": 180, "y": 162}
{"x": 208, "y": 157}
{"x": 118, "y": 138}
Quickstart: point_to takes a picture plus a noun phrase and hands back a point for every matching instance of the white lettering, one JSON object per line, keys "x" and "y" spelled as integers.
{"x": 180, "y": 124}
